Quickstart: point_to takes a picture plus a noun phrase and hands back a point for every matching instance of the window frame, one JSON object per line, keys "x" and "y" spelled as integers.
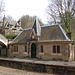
{"x": 25, "y": 48}
{"x": 15, "y": 49}
{"x": 57, "y": 49}
{"x": 54, "y": 49}
{"x": 41, "y": 49}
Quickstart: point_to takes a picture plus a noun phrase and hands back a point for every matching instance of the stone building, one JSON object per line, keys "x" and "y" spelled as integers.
{"x": 10, "y": 27}
{"x": 7, "y": 28}
{"x": 46, "y": 42}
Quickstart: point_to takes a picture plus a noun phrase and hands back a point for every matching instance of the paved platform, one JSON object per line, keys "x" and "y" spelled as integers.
{"x": 31, "y": 60}
{"x": 42, "y": 66}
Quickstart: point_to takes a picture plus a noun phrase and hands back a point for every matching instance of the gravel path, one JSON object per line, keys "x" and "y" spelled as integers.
{"x": 11, "y": 71}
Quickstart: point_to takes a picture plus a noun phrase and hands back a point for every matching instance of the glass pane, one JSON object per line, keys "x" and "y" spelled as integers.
{"x": 58, "y": 49}
{"x": 41, "y": 48}
{"x": 15, "y": 48}
{"x": 54, "y": 49}
{"x": 25, "y": 48}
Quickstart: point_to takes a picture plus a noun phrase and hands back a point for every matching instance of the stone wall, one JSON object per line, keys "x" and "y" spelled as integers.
{"x": 45, "y": 68}
{"x": 11, "y": 31}
{"x": 48, "y": 51}
{"x": 3, "y": 52}
{"x": 2, "y": 31}
{"x": 21, "y": 51}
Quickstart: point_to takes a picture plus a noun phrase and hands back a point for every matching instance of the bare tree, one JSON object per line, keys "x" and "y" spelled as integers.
{"x": 27, "y": 21}
{"x": 2, "y": 6}
{"x": 63, "y": 10}
{"x": 8, "y": 18}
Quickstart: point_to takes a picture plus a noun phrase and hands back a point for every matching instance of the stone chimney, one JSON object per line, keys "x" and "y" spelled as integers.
{"x": 19, "y": 22}
{"x": 4, "y": 19}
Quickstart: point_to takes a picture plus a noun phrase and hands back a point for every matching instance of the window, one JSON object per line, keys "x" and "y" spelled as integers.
{"x": 41, "y": 48}
{"x": 15, "y": 48}
{"x": 25, "y": 48}
{"x": 56, "y": 49}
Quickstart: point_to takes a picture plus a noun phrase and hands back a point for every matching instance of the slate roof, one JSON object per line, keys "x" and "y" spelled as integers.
{"x": 51, "y": 33}
{"x": 23, "y": 36}
{"x": 3, "y": 40}
{"x": 13, "y": 25}
{"x": 36, "y": 27}
{"x": 10, "y": 22}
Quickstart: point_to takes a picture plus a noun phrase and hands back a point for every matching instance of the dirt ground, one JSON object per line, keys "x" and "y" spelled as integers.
{"x": 11, "y": 71}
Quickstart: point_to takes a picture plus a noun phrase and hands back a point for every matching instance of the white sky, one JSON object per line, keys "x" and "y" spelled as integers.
{"x": 18, "y": 8}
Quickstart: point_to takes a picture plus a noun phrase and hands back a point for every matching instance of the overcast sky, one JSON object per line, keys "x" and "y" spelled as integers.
{"x": 18, "y": 8}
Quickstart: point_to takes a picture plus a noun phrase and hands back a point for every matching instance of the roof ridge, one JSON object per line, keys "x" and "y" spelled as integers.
{"x": 27, "y": 29}
{"x": 49, "y": 25}
{"x": 41, "y": 26}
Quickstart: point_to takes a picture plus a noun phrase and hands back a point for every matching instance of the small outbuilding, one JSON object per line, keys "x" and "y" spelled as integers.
{"x": 46, "y": 42}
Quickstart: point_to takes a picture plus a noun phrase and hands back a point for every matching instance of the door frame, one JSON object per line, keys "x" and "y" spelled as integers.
{"x": 33, "y": 50}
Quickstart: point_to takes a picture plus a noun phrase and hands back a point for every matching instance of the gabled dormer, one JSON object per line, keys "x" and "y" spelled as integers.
{"x": 36, "y": 29}
{"x": 32, "y": 34}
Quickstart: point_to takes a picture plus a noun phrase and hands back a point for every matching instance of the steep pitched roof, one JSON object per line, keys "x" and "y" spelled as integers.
{"x": 13, "y": 25}
{"x": 23, "y": 36}
{"x": 36, "y": 27}
{"x": 11, "y": 22}
{"x": 51, "y": 33}
{"x": 3, "y": 40}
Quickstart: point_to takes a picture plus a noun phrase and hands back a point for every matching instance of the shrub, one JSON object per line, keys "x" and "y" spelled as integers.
{"x": 9, "y": 36}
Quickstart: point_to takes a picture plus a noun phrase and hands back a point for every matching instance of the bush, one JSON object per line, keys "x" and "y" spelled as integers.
{"x": 9, "y": 36}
